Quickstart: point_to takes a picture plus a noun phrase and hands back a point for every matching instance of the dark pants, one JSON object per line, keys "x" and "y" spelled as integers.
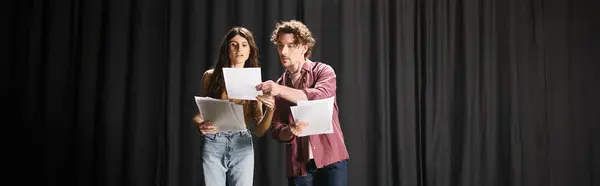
{"x": 335, "y": 174}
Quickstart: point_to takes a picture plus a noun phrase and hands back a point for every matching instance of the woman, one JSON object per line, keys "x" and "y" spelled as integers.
{"x": 229, "y": 156}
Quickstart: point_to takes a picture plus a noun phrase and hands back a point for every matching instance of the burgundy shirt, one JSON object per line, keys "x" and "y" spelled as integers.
{"x": 318, "y": 82}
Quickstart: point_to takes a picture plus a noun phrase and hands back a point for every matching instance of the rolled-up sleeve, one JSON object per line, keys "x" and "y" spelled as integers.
{"x": 325, "y": 84}
{"x": 277, "y": 128}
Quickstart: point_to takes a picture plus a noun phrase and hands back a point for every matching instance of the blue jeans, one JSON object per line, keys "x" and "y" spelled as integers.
{"x": 228, "y": 157}
{"x": 335, "y": 174}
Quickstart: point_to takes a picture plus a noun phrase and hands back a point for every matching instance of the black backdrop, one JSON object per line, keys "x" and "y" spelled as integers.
{"x": 435, "y": 93}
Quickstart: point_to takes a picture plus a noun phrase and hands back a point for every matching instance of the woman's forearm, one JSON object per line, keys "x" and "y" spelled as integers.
{"x": 264, "y": 123}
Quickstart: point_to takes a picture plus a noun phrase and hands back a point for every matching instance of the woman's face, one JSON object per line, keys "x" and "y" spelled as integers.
{"x": 239, "y": 50}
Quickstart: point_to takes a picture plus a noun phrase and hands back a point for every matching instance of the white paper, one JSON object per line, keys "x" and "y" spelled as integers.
{"x": 226, "y": 116}
{"x": 241, "y": 83}
{"x": 318, "y": 114}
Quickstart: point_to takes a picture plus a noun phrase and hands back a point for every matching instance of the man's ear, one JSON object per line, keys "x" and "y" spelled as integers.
{"x": 304, "y": 49}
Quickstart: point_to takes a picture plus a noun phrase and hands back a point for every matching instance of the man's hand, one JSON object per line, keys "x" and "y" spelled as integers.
{"x": 292, "y": 130}
{"x": 267, "y": 100}
{"x": 269, "y": 88}
{"x": 296, "y": 128}
{"x": 205, "y": 127}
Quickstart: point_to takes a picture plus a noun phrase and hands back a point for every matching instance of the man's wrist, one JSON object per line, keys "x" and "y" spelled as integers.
{"x": 282, "y": 90}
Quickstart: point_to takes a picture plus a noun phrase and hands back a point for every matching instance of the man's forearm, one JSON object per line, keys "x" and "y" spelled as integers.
{"x": 292, "y": 95}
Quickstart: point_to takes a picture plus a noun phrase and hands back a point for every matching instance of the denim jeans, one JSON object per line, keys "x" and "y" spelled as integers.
{"x": 228, "y": 157}
{"x": 335, "y": 174}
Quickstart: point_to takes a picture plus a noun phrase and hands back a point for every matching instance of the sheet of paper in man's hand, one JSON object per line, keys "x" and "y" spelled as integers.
{"x": 226, "y": 116}
{"x": 318, "y": 114}
{"x": 241, "y": 83}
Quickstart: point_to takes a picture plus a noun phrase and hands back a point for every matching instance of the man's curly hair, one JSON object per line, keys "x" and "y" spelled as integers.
{"x": 302, "y": 36}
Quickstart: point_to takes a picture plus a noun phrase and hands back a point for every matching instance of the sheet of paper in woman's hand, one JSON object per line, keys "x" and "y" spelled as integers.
{"x": 241, "y": 83}
{"x": 226, "y": 116}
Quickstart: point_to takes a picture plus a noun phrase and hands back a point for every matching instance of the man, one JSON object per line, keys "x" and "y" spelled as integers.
{"x": 315, "y": 159}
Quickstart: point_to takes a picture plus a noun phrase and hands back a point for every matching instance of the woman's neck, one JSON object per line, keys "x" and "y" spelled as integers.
{"x": 239, "y": 65}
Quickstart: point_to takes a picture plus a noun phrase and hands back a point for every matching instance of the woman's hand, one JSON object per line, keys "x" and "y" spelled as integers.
{"x": 267, "y": 100}
{"x": 205, "y": 127}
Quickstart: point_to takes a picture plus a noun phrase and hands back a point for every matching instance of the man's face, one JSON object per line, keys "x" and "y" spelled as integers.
{"x": 239, "y": 50}
{"x": 289, "y": 53}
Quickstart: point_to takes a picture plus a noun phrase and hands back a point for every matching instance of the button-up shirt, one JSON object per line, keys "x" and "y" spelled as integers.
{"x": 318, "y": 81}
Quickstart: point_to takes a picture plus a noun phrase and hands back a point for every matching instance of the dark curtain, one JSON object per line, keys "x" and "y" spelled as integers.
{"x": 431, "y": 93}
